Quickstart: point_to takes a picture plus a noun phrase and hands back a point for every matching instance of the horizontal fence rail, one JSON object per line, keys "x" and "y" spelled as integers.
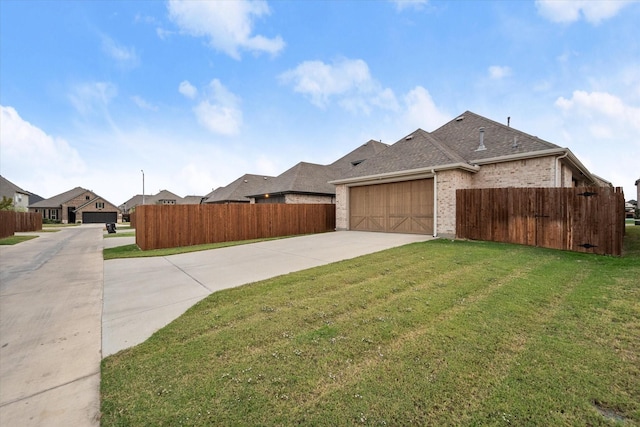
{"x": 13, "y": 222}
{"x": 581, "y": 219}
{"x": 172, "y": 226}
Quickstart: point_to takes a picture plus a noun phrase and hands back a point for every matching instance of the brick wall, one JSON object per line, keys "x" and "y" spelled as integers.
{"x": 308, "y": 199}
{"x": 342, "y": 207}
{"x": 447, "y": 182}
{"x": 539, "y": 172}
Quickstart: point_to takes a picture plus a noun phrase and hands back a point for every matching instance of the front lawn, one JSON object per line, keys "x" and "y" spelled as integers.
{"x": 435, "y": 333}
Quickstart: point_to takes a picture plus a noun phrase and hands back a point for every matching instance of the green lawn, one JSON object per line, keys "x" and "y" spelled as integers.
{"x": 14, "y": 240}
{"x": 435, "y": 333}
{"x": 133, "y": 251}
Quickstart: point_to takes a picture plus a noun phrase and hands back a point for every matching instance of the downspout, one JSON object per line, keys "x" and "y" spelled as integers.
{"x": 557, "y": 183}
{"x": 435, "y": 203}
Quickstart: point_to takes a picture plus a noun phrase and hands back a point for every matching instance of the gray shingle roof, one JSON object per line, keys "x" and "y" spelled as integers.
{"x": 58, "y": 200}
{"x": 237, "y": 190}
{"x": 8, "y": 188}
{"x": 309, "y": 178}
{"x": 365, "y": 151}
{"x": 462, "y": 135}
{"x": 456, "y": 142}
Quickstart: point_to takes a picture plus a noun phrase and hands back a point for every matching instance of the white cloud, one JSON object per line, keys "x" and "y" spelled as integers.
{"x": 89, "y": 97}
{"x": 597, "y": 127}
{"x": 187, "y": 89}
{"x": 35, "y": 160}
{"x": 220, "y": 111}
{"x": 143, "y": 104}
{"x": 421, "y": 112}
{"x": 348, "y": 80}
{"x": 125, "y": 56}
{"x": 594, "y": 11}
{"x": 601, "y": 106}
{"x": 407, "y": 4}
{"x": 227, "y": 24}
{"x": 497, "y": 72}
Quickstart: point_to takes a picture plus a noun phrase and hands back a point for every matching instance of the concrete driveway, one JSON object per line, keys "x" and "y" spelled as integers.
{"x": 142, "y": 295}
{"x": 62, "y": 308}
{"x": 50, "y": 329}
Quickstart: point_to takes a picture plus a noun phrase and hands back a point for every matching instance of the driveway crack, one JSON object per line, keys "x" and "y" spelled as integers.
{"x": 189, "y": 275}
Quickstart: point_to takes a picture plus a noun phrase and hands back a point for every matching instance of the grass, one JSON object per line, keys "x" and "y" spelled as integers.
{"x": 435, "y": 333}
{"x": 14, "y": 240}
{"x": 120, "y": 234}
{"x": 133, "y": 251}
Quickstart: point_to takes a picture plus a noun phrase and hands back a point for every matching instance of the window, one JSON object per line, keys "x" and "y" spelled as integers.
{"x": 99, "y": 205}
{"x": 86, "y": 197}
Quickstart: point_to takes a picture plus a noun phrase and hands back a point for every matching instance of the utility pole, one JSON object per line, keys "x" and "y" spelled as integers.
{"x": 142, "y": 186}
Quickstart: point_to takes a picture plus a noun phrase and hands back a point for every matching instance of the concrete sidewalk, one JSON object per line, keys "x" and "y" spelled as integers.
{"x": 141, "y": 295}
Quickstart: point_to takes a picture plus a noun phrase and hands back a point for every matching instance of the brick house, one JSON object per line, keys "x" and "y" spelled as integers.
{"x": 78, "y": 205}
{"x": 411, "y": 186}
{"x": 303, "y": 183}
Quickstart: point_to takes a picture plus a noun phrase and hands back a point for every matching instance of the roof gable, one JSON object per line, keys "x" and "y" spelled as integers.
{"x": 462, "y": 135}
{"x": 8, "y": 188}
{"x": 416, "y": 150}
{"x": 302, "y": 178}
{"x": 57, "y": 200}
{"x": 238, "y": 190}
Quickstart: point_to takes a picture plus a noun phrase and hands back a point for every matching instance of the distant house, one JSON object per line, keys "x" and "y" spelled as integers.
{"x": 238, "y": 190}
{"x": 20, "y": 198}
{"x": 78, "y": 205}
{"x": 309, "y": 182}
{"x": 411, "y": 186}
{"x": 303, "y": 183}
{"x": 163, "y": 197}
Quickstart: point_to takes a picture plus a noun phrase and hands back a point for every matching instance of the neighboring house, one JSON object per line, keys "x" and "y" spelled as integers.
{"x": 411, "y": 186}
{"x": 21, "y": 198}
{"x": 303, "y": 183}
{"x": 238, "y": 190}
{"x": 309, "y": 182}
{"x": 164, "y": 197}
{"x": 75, "y": 206}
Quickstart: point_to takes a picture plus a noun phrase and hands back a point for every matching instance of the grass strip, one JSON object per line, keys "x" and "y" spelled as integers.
{"x": 133, "y": 251}
{"x": 433, "y": 333}
{"x": 14, "y": 240}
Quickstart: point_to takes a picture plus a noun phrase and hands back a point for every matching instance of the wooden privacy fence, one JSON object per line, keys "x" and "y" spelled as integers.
{"x": 160, "y": 226}
{"x": 582, "y": 219}
{"x": 12, "y": 222}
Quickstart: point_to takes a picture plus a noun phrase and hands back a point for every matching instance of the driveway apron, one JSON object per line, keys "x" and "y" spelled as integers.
{"x": 50, "y": 329}
{"x": 142, "y": 295}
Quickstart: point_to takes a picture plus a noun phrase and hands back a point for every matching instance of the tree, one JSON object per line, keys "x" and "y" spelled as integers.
{"x": 6, "y": 204}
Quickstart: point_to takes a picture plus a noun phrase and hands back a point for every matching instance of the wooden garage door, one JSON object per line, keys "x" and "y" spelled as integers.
{"x": 399, "y": 207}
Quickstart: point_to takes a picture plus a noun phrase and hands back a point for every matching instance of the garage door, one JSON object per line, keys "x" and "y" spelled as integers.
{"x": 99, "y": 217}
{"x": 399, "y": 207}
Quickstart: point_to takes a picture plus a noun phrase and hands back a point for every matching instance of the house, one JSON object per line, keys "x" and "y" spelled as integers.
{"x": 238, "y": 190}
{"x": 309, "y": 182}
{"x": 303, "y": 183}
{"x": 410, "y": 187}
{"x": 19, "y": 197}
{"x": 77, "y": 205}
{"x": 163, "y": 197}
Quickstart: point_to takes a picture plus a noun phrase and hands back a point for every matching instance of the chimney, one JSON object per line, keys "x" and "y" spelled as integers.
{"x": 481, "y": 147}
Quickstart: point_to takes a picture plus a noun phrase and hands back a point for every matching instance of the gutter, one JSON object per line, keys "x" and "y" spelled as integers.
{"x": 557, "y": 177}
{"x": 427, "y": 172}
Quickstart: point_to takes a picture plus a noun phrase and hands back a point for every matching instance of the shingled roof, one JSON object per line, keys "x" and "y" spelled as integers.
{"x": 238, "y": 190}
{"x": 462, "y": 135}
{"x": 457, "y": 144}
{"x": 58, "y": 200}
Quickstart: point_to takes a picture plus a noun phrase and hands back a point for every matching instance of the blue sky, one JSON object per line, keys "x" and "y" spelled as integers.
{"x": 198, "y": 93}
